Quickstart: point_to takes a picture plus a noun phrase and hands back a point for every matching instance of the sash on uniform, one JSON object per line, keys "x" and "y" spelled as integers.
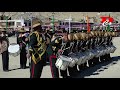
{"x": 39, "y": 50}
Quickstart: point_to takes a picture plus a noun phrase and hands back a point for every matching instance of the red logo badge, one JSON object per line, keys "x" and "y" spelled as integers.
{"x": 107, "y": 20}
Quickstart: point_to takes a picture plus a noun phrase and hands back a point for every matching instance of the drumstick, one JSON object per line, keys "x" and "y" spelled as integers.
{"x": 66, "y": 48}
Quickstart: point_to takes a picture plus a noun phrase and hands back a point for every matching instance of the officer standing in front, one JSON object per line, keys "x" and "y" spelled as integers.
{"x": 37, "y": 49}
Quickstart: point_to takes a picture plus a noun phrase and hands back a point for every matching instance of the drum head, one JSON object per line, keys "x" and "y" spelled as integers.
{"x": 13, "y": 48}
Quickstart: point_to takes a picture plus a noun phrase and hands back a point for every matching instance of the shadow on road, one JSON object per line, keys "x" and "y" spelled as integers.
{"x": 18, "y": 68}
{"x": 98, "y": 68}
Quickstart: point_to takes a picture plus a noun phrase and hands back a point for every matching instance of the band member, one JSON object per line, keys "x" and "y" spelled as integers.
{"x": 96, "y": 44}
{"x": 83, "y": 48}
{"x": 4, "y": 43}
{"x": 37, "y": 49}
{"x": 66, "y": 42}
{"x": 104, "y": 44}
{"x": 53, "y": 49}
{"x": 109, "y": 42}
{"x": 68, "y": 49}
{"x": 22, "y": 42}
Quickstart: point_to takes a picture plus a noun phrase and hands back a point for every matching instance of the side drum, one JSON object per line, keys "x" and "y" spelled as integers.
{"x": 74, "y": 60}
{"x": 62, "y": 62}
{"x": 14, "y": 49}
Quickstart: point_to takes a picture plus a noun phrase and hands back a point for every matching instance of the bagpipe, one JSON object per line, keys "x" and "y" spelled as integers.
{"x": 84, "y": 46}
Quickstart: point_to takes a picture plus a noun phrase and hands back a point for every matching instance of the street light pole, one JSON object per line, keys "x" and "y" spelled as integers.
{"x": 53, "y": 21}
{"x": 69, "y": 24}
{"x": 6, "y": 22}
{"x": 31, "y": 24}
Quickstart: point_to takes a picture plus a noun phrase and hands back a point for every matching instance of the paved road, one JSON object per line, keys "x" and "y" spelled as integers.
{"x": 109, "y": 69}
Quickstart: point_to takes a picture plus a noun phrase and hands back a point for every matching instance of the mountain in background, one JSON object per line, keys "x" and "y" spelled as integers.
{"x": 77, "y": 16}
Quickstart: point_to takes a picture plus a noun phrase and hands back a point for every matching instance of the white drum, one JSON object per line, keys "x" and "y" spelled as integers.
{"x": 14, "y": 49}
{"x": 62, "y": 62}
{"x": 85, "y": 57}
{"x": 81, "y": 58}
{"x": 98, "y": 52}
{"x": 74, "y": 60}
{"x": 91, "y": 53}
{"x": 113, "y": 49}
{"x": 103, "y": 51}
{"x": 108, "y": 50}
{"x": 88, "y": 55}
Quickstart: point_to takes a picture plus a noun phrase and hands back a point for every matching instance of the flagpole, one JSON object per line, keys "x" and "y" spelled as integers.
{"x": 53, "y": 22}
{"x": 88, "y": 27}
{"x": 6, "y": 22}
{"x": 69, "y": 24}
{"x": 108, "y": 26}
{"x": 31, "y": 24}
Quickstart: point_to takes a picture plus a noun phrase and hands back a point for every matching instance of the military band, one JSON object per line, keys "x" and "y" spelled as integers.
{"x": 41, "y": 46}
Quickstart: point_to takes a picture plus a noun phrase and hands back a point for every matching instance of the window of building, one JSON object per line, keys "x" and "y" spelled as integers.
{"x": 18, "y": 23}
{"x": 25, "y": 23}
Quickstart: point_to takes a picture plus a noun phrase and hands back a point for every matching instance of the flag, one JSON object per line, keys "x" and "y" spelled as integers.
{"x": 106, "y": 20}
{"x": 88, "y": 26}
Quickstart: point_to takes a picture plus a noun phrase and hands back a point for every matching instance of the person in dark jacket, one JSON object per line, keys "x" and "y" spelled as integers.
{"x": 22, "y": 42}
{"x": 53, "y": 49}
{"x": 4, "y": 43}
{"x": 37, "y": 49}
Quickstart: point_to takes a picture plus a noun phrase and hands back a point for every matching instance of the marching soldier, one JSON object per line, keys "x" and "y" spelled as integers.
{"x": 22, "y": 41}
{"x": 4, "y": 43}
{"x": 37, "y": 49}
